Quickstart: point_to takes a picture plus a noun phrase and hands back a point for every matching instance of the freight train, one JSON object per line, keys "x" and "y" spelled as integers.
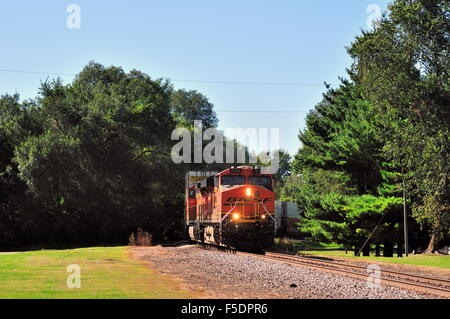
{"x": 234, "y": 208}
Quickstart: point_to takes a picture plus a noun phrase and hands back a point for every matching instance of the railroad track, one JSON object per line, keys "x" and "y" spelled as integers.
{"x": 423, "y": 284}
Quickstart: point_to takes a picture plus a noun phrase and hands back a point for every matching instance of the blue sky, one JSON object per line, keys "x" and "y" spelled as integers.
{"x": 232, "y": 41}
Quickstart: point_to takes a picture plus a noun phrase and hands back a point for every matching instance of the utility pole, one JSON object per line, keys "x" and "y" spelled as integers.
{"x": 405, "y": 220}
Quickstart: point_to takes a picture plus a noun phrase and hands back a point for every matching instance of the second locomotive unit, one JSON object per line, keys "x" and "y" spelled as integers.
{"x": 233, "y": 208}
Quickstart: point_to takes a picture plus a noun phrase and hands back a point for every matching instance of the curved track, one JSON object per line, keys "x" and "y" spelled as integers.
{"x": 422, "y": 284}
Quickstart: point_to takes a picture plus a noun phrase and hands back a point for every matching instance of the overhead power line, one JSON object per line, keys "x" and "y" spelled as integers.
{"x": 36, "y": 72}
{"x": 182, "y": 80}
{"x": 259, "y": 111}
{"x": 199, "y": 81}
{"x": 251, "y": 83}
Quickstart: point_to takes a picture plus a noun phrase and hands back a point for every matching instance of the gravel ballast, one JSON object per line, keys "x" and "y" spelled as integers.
{"x": 224, "y": 275}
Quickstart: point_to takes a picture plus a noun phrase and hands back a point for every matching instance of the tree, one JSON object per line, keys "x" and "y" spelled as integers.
{"x": 284, "y": 171}
{"x": 100, "y": 167}
{"x": 18, "y": 209}
{"x": 343, "y": 134}
{"x": 190, "y": 106}
{"x": 341, "y": 176}
{"x": 402, "y": 67}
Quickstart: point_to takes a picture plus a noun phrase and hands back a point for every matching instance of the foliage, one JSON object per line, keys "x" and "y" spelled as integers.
{"x": 383, "y": 132}
{"x": 189, "y": 106}
{"x": 402, "y": 67}
{"x": 343, "y": 187}
{"x": 89, "y": 162}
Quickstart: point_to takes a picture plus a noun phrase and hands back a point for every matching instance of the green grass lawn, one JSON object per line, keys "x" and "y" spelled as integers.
{"x": 440, "y": 261}
{"x": 106, "y": 272}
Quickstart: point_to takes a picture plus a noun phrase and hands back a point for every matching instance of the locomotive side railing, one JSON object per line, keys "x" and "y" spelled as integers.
{"x": 275, "y": 224}
{"x": 225, "y": 217}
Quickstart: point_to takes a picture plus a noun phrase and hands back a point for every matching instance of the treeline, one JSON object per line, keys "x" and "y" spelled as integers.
{"x": 382, "y": 135}
{"x": 89, "y": 162}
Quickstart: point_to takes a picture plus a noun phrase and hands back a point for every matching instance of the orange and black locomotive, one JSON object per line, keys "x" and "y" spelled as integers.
{"x": 233, "y": 209}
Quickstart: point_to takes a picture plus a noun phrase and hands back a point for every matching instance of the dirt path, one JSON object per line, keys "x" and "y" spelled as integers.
{"x": 10, "y": 252}
{"x": 157, "y": 253}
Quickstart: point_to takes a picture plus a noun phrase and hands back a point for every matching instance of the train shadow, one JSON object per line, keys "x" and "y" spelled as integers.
{"x": 178, "y": 243}
{"x": 252, "y": 251}
{"x": 316, "y": 257}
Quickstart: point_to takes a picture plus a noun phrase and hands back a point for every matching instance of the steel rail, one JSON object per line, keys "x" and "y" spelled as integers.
{"x": 417, "y": 286}
{"x": 437, "y": 281}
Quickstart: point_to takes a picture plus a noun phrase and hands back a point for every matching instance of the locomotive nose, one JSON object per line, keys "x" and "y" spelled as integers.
{"x": 249, "y": 203}
{"x": 233, "y": 208}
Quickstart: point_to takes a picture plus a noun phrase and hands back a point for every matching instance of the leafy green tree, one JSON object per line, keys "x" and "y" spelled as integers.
{"x": 340, "y": 169}
{"x": 290, "y": 189}
{"x": 284, "y": 171}
{"x": 402, "y": 67}
{"x": 190, "y": 106}
{"x": 18, "y": 120}
{"x": 101, "y": 166}
{"x": 342, "y": 134}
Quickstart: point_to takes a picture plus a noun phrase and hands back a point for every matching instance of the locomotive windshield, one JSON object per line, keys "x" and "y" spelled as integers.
{"x": 233, "y": 180}
{"x": 260, "y": 180}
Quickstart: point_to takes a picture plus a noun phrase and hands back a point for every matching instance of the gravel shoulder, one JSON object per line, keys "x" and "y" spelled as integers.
{"x": 217, "y": 274}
